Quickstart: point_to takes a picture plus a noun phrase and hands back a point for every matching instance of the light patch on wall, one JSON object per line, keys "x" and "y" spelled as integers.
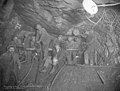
{"x": 90, "y": 7}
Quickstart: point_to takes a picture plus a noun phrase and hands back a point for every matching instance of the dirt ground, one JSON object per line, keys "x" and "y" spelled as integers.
{"x": 86, "y": 78}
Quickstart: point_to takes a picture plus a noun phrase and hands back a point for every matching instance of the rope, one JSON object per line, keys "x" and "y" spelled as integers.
{"x": 106, "y": 5}
{"x": 27, "y": 73}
